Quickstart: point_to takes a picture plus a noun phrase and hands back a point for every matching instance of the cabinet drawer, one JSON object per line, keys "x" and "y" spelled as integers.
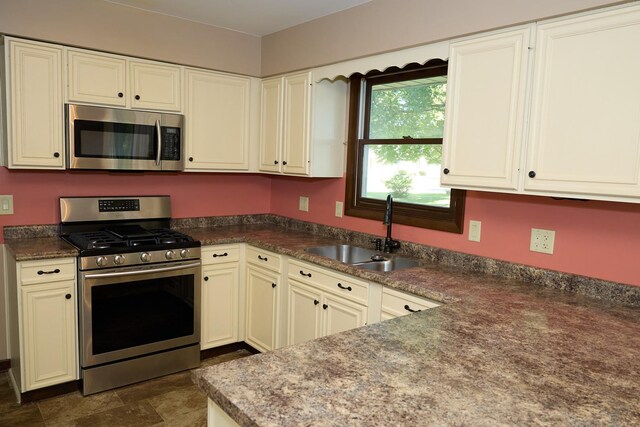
{"x": 47, "y": 270}
{"x": 264, "y": 259}
{"x": 327, "y": 280}
{"x": 396, "y": 303}
{"x": 220, "y": 254}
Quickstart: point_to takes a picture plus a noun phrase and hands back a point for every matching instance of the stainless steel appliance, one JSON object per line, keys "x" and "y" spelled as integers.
{"x": 115, "y": 139}
{"x": 139, "y": 289}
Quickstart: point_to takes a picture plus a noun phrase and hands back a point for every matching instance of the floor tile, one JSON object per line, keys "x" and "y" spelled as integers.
{"x": 155, "y": 387}
{"x": 175, "y": 404}
{"x": 21, "y": 415}
{"x": 192, "y": 419}
{"x": 135, "y": 414}
{"x": 224, "y": 358}
{"x": 63, "y": 409}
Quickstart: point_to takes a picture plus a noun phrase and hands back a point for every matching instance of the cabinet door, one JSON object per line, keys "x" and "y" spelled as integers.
{"x": 262, "y": 308}
{"x": 49, "y": 334}
{"x": 271, "y": 125}
{"x": 485, "y": 110}
{"x": 585, "y": 131}
{"x": 96, "y": 78}
{"x": 219, "y": 323}
{"x": 35, "y": 107}
{"x": 297, "y": 107}
{"x": 155, "y": 86}
{"x": 217, "y": 121}
{"x": 303, "y": 313}
{"x": 341, "y": 315}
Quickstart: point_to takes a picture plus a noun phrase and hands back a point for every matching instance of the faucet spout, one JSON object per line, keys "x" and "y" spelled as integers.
{"x": 389, "y": 244}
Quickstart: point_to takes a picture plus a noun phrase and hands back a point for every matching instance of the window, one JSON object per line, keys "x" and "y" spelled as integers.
{"x": 396, "y": 121}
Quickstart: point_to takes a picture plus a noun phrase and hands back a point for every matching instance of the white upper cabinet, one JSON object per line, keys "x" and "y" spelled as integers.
{"x": 303, "y": 126}
{"x": 585, "y": 117}
{"x": 33, "y": 105}
{"x": 217, "y": 116}
{"x": 100, "y": 78}
{"x": 96, "y": 78}
{"x": 485, "y": 112}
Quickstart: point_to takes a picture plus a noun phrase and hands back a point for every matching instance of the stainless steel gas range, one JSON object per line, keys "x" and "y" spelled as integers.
{"x": 139, "y": 289}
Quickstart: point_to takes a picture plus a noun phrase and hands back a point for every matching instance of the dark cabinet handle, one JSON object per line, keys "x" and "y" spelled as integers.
{"x": 284, "y": 162}
{"x": 305, "y": 274}
{"x": 120, "y": 94}
{"x": 56, "y": 271}
{"x": 316, "y": 302}
{"x": 532, "y": 174}
{"x": 56, "y": 154}
{"x": 137, "y": 97}
{"x": 217, "y": 255}
{"x": 275, "y": 162}
{"x": 325, "y": 306}
{"x": 406, "y": 307}
{"x": 191, "y": 159}
{"x": 206, "y": 278}
{"x": 273, "y": 285}
{"x": 445, "y": 171}
{"x": 68, "y": 296}
{"x": 341, "y": 286}
{"x": 261, "y": 258}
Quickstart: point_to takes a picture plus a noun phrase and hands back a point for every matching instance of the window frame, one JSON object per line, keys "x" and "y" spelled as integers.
{"x": 360, "y": 87}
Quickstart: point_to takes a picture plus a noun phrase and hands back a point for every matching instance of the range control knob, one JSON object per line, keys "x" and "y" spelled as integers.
{"x": 145, "y": 257}
{"x": 169, "y": 255}
{"x": 101, "y": 261}
{"x": 184, "y": 253}
{"x": 118, "y": 259}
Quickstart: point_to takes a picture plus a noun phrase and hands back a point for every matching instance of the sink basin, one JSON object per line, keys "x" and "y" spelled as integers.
{"x": 363, "y": 257}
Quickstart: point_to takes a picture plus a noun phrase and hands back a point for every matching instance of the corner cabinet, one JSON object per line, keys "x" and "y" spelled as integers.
{"x": 220, "y": 296}
{"x": 43, "y": 322}
{"x": 218, "y": 121}
{"x": 32, "y": 114}
{"x": 484, "y": 120}
{"x": 585, "y": 118}
{"x": 302, "y": 126}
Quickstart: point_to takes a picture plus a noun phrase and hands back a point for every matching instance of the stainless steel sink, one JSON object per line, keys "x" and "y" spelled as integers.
{"x": 364, "y": 258}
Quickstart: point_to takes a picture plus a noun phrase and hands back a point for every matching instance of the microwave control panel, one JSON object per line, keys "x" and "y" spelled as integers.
{"x": 170, "y": 143}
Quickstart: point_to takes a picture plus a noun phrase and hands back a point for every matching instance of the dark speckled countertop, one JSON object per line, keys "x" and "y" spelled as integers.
{"x": 499, "y": 352}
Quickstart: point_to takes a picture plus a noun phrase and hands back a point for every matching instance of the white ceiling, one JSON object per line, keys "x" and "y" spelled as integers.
{"x": 256, "y": 17}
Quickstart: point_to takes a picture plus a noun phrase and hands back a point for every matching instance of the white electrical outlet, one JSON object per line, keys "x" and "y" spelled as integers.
{"x": 542, "y": 240}
{"x": 475, "y": 228}
{"x": 6, "y": 205}
{"x": 304, "y": 204}
{"x": 339, "y": 209}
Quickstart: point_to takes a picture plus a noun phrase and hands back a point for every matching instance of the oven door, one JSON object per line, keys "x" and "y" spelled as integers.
{"x": 109, "y": 138}
{"x": 132, "y": 311}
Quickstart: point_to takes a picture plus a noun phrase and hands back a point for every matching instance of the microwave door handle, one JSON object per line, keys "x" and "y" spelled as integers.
{"x": 159, "y": 137}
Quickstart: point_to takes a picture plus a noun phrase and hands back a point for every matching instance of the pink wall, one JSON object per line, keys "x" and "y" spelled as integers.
{"x": 597, "y": 239}
{"x": 35, "y": 194}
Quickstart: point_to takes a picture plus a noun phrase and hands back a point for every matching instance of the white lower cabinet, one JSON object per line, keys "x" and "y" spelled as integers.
{"x": 220, "y": 296}
{"x": 42, "y": 322}
{"x": 396, "y": 303}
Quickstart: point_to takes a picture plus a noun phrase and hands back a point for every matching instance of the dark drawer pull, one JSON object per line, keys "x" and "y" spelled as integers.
{"x": 341, "y": 286}
{"x": 217, "y": 255}
{"x": 56, "y": 271}
{"x": 305, "y": 274}
{"x": 273, "y": 285}
{"x": 261, "y": 258}
{"x": 325, "y": 306}
{"x": 316, "y": 302}
{"x": 68, "y": 296}
{"x": 406, "y": 307}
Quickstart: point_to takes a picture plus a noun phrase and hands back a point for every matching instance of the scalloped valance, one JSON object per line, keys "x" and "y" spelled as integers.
{"x": 399, "y": 58}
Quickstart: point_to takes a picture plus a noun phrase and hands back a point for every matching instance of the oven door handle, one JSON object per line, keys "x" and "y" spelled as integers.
{"x": 135, "y": 273}
{"x": 159, "y": 136}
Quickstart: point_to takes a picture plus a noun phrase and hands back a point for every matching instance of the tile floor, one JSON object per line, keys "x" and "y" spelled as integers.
{"x": 172, "y": 400}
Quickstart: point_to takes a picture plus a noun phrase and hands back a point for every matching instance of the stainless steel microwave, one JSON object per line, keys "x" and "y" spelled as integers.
{"x": 115, "y": 139}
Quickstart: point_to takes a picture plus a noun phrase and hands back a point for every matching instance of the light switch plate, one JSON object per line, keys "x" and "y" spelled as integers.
{"x": 475, "y": 228}
{"x": 304, "y": 204}
{"x": 6, "y": 205}
{"x": 339, "y": 209}
{"x": 542, "y": 241}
